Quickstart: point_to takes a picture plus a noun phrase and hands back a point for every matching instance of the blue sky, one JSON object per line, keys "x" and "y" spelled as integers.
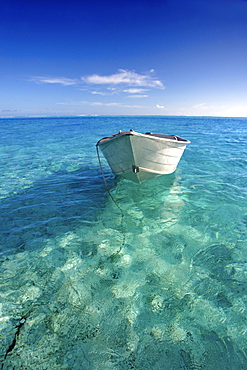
{"x": 139, "y": 57}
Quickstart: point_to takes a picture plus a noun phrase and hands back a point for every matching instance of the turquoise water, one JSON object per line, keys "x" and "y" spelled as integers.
{"x": 83, "y": 287}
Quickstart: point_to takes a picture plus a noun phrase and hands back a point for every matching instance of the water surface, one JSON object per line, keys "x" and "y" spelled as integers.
{"x": 161, "y": 285}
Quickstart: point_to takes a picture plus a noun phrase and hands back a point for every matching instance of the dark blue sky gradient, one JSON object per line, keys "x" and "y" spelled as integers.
{"x": 197, "y": 49}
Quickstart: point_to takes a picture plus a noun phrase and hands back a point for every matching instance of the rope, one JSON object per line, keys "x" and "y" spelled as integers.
{"x": 114, "y": 201}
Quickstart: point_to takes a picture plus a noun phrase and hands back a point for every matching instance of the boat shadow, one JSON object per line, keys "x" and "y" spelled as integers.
{"x": 54, "y": 205}
{"x": 63, "y": 201}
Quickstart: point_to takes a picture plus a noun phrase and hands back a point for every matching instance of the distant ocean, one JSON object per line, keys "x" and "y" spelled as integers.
{"x": 163, "y": 287}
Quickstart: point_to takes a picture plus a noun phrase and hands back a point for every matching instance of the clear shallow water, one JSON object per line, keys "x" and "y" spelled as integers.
{"x": 162, "y": 288}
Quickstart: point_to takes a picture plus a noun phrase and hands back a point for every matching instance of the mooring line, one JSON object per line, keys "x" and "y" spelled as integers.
{"x": 109, "y": 192}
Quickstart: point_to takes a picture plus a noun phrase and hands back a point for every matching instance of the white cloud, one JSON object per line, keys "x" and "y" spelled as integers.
{"x": 106, "y": 92}
{"x": 54, "y": 80}
{"x": 107, "y": 104}
{"x": 113, "y": 104}
{"x": 100, "y": 93}
{"x": 200, "y": 106}
{"x": 160, "y": 106}
{"x": 100, "y": 104}
{"x": 135, "y": 91}
{"x": 135, "y": 81}
{"x": 137, "y": 96}
{"x": 124, "y": 77}
{"x": 203, "y": 107}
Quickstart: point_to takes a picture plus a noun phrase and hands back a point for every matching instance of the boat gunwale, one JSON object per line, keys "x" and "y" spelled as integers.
{"x": 149, "y": 135}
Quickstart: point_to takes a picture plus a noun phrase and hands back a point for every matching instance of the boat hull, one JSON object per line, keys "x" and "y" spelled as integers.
{"x": 141, "y": 157}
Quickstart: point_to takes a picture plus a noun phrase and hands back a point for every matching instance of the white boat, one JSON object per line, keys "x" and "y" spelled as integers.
{"x": 141, "y": 157}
